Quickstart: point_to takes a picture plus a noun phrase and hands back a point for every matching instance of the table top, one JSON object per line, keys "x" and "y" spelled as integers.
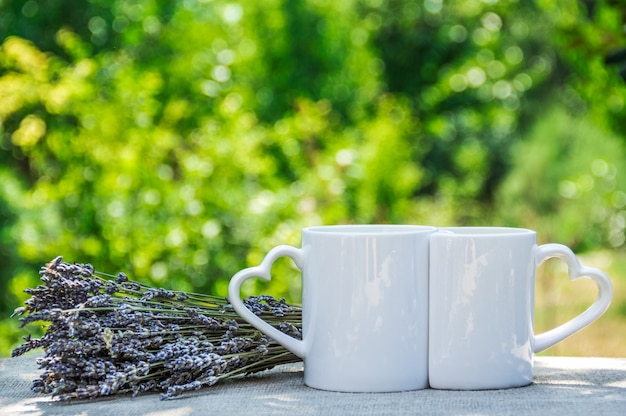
{"x": 562, "y": 385}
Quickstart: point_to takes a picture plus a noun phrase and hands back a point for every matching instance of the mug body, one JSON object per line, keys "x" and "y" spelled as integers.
{"x": 481, "y": 307}
{"x": 365, "y": 307}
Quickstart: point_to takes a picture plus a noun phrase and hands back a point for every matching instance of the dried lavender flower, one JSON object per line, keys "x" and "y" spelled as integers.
{"x": 107, "y": 334}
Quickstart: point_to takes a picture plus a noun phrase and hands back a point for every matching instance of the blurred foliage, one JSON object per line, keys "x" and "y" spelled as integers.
{"x": 572, "y": 184}
{"x": 180, "y": 141}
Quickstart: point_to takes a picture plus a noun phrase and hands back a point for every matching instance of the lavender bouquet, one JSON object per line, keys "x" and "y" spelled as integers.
{"x": 108, "y": 335}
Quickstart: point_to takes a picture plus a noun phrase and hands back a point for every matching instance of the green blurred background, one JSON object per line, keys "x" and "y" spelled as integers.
{"x": 179, "y": 141}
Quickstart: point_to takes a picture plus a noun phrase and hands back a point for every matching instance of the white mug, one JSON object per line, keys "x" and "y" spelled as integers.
{"x": 364, "y": 306}
{"x": 482, "y": 286}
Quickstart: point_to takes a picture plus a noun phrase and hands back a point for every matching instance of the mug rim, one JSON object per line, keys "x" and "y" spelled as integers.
{"x": 369, "y": 229}
{"x": 484, "y": 231}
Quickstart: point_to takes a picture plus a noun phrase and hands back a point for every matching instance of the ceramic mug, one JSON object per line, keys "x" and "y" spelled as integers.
{"x": 364, "y": 306}
{"x": 482, "y": 286}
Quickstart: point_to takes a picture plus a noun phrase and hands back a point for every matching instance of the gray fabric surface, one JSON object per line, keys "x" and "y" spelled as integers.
{"x": 563, "y": 386}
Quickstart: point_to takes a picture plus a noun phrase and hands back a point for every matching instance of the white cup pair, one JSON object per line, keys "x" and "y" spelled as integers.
{"x": 404, "y": 307}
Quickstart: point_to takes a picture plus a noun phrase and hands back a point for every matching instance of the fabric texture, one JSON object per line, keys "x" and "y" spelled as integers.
{"x": 562, "y": 386}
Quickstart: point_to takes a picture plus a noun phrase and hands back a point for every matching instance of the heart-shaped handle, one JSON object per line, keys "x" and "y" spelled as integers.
{"x": 576, "y": 271}
{"x": 263, "y": 271}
